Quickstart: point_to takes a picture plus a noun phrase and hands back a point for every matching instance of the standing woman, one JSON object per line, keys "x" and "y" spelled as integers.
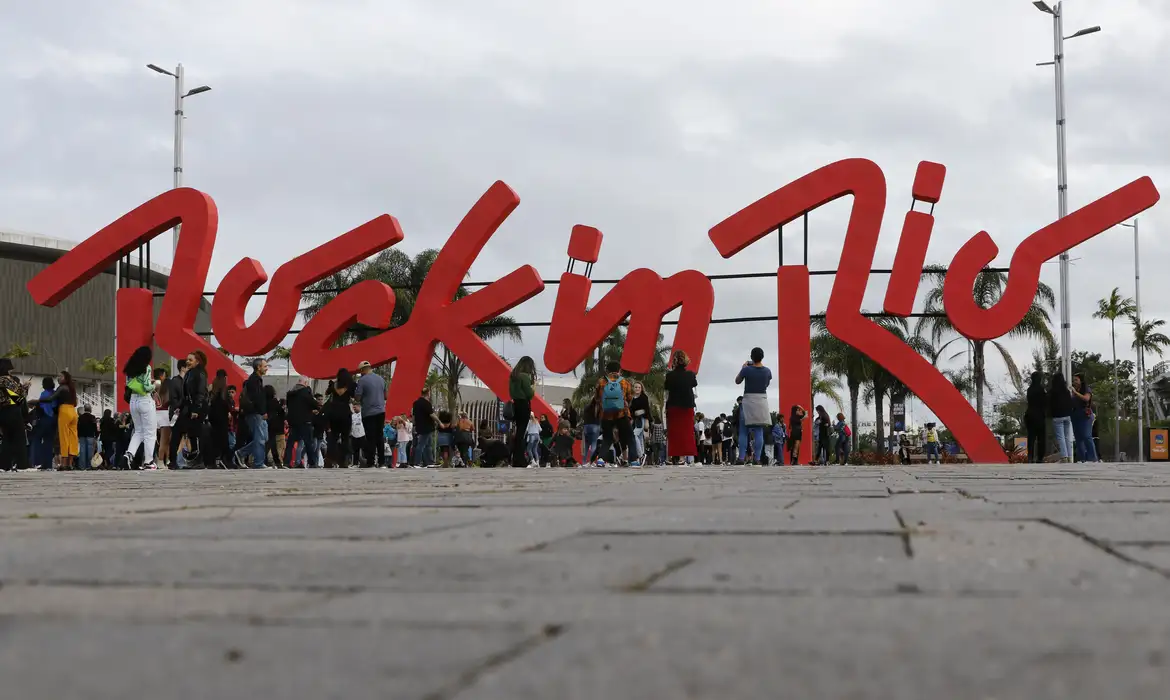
{"x": 140, "y": 384}
{"x": 13, "y": 394}
{"x": 340, "y": 416}
{"x": 1060, "y": 407}
{"x": 192, "y": 411}
{"x": 162, "y": 418}
{"x": 823, "y": 436}
{"x": 219, "y": 411}
{"x": 1082, "y": 419}
{"x": 591, "y": 430}
{"x": 754, "y": 415}
{"x": 640, "y": 412}
{"x": 521, "y": 390}
{"x": 795, "y": 433}
{"x": 680, "y": 409}
{"x": 1034, "y": 421}
{"x": 65, "y": 398}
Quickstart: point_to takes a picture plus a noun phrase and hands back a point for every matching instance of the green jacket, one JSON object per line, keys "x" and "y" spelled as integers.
{"x": 520, "y": 387}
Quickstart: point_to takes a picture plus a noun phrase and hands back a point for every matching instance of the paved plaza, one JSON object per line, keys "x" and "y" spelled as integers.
{"x": 956, "y": 583}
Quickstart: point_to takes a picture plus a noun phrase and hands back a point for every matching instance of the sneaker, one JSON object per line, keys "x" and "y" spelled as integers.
{"x": 237, "y": 460}
{"x": 220, "y": 465}
{"x": 126, "y": 461}
{"x": 151, "y": 467}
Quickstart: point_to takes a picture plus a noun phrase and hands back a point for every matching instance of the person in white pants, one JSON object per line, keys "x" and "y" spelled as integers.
{"x": 141, "y": 385}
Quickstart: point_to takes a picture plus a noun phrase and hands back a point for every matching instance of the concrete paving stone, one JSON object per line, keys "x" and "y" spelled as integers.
{"x": 311, "y": 565}
{"x": 1157, "y": 555}
{"x": 761, "y": 520}
{"x": 155, "y": 603}
{"x": 1011, "y": 558}
{"x": 310, "y": 523}
{"x": 886, "y": 650}
{"x": 1121, "y": 528}
{"x": 113, "y": 660}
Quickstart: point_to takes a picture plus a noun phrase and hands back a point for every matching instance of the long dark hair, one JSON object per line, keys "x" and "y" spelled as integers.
{"x": 525, "y": 365}
{"x": 219, "y": 387}
{"x": 1058, "y": 383}
{"x": 67, "y": 382}
{"x": 200, "y": 358}
{"x": 794, "y": 417}
{"x": 344, "y": 380}
{"x": 5, "y": 366}
{"x": 138, "y": 362}
{"x": 822, "y": 414}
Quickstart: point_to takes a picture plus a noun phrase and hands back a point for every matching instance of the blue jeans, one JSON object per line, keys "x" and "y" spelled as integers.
{"x": 87, "y": 446}
{"x": 1063, "y": 428}
{"x": 533, "y": 451}
{"x": 300, "y": 444}
{"x": 932, "y": 451}
{"x": 757, "y": 433}
{"x": 259, "y": 444}
{"x": 590, "y": 434}
{"x": 1083, "y": 432}
{"x": 424, "y": 449}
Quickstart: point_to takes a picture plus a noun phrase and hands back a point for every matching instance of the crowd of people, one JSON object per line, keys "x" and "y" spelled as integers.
{"x": 192, "y": 421}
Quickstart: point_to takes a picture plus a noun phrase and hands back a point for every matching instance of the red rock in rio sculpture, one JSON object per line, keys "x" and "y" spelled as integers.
{"x": 642, "y": 295}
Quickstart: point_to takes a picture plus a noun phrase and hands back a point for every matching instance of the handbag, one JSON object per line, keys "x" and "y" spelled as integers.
{"x": 96, "y": 461}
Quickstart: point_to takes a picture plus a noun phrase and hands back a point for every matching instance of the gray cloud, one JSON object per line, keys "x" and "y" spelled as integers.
{"x": 652, "y": 122}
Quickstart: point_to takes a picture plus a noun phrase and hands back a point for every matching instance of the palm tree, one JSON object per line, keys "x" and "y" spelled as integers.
{"x": 827, "y": 386}
{"x": 280, "y": 352}
{"x": 841, "y": 359}
{"x": 1148, "y": 339}
{"x": 988, "y": 289}
{"x": 102, "y": 367}
{"x": 405, "y": 275}
{"x": 1110, "y": 309}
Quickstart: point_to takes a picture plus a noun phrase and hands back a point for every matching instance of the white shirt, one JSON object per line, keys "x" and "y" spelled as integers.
{"x": 404, "y": 431}
{"x": 356, "y": 428}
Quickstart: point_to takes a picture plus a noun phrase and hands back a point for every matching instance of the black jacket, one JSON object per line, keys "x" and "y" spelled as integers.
{"x": 195, "y": 390}
{"x": 1037, "y": 406}
{"x": 176, "y": 392}
{"x": 254, "y": 399}
{"x": 301, "y": 405}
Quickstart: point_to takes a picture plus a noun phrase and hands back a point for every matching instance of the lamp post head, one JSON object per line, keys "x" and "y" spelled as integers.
{"x": 1083, "y": 32}
{"x": 156, "y": 69}
{"x": 1043, "y": 7}
{"x": 196, "y": 91}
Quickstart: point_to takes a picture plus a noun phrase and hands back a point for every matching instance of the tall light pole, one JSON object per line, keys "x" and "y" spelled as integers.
{"x": 1137, "y": 320}
{"x": 1057, "y": 61}
{"x": 180, "y": 95}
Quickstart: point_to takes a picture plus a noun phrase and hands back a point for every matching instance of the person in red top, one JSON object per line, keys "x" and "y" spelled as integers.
{"x": 615, "y": 393}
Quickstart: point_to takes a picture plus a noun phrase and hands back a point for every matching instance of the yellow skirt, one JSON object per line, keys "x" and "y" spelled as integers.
{"x": 67, "y": 430}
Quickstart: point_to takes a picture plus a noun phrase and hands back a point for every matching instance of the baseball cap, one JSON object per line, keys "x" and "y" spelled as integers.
{"x": 363, "y": 364}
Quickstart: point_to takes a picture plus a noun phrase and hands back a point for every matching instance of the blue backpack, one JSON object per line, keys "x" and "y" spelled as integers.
{"x": 612, "y": 396}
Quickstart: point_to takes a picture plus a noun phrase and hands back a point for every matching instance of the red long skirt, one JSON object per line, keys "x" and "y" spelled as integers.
{"x": 680, "y": 432}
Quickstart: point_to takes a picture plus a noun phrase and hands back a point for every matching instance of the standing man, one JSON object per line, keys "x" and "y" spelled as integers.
{"x": 371, "y": 392}
{"x": 424, "y": 424}
{"x": 615, "y": 393}
{"x": 254, "y": 409}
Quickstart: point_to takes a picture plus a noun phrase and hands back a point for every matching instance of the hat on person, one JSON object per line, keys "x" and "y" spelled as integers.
{"x": 363, "y": 364}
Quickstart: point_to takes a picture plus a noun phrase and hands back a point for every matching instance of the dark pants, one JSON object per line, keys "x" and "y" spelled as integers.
{"x": 1037, "y": 447}
{"x": 625, "y": 431}
{"x": 300, "y": 442}
{"x": 14, "y": 448}
{"x": 185, "y": 426}
{"x": 217, "y": 447}
{"x": 338, "y": 448}
{"x": 375, "y": 442}
{"x": 42, "y": 441}
{"x": 521, "y": 414}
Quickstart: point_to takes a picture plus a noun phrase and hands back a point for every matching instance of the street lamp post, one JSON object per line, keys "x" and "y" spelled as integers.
{"x": 1057, "y": 61}
{"x": 180, "y": 95}
{"x": 1141, "y": 372}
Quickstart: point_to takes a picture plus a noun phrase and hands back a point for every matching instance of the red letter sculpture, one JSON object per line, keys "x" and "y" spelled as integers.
{"x": 642, "y": 295}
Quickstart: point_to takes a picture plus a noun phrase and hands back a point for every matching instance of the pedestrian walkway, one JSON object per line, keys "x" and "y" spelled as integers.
{"x": 1049, "y": 582}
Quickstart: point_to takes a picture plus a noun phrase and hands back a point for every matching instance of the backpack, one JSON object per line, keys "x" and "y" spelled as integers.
{"x": 848, "y": 432}
{"x": 613, "y": 397}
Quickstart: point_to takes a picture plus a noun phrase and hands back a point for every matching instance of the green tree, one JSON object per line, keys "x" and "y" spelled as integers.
{"x": 827, "y": 386}
{"x": 986, "y": 292}
{"x": 1110, "y": 309}
{"x": 610, "y": 350}
{"x": 102, "y": 367}
{"x": 836, "y": 357}
{"x": 1148, "y": 340}
{"x": 405, "y": 276}
{"x": 280, "y": 352}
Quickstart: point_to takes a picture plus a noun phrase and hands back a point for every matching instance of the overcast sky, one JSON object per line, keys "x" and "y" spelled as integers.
{"x": 652, "y": 121}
